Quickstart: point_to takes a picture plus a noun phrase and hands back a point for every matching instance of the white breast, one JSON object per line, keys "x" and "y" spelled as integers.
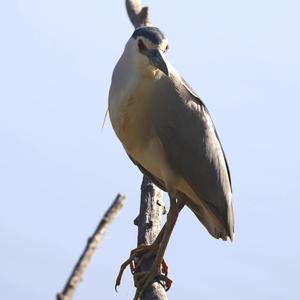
{"x": 127, "y": 106}
{"x": 130, "y": 109}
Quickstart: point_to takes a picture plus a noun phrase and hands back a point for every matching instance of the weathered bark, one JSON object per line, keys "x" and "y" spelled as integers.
{"x": 151, "y": 206}
{"x": 149, "y": 226}
{"x": 137, "y": 14}
{"x": 92, "y": 243}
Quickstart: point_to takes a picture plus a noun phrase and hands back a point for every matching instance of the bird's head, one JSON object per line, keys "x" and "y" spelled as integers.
{"x": 148, "y": 46}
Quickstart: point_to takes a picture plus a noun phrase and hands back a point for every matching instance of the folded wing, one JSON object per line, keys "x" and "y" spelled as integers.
{"x": 193, "y": 149}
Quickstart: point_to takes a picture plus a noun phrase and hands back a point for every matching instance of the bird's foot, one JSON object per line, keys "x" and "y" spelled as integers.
{"x": 137, "y": 257}
{"x": 143, "y": 279}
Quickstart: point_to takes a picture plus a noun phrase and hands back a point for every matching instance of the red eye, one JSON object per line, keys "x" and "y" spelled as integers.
{"x": 141, "y": 45}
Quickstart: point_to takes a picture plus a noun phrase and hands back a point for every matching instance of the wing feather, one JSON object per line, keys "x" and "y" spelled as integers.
{"x": 193, "y": 148}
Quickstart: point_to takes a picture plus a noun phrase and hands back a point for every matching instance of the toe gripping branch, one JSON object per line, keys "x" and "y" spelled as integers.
{"x": 143, "y": 279}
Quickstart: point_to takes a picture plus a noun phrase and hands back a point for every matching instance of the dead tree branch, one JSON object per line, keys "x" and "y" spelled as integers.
{"x": 149, "y": 225}
{"x": 137, "y": 14}
{"x": 151, "y": 205}
{"x": 92, "y": 243}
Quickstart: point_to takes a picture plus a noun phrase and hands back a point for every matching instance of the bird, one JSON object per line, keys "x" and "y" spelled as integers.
{"x": 168, "y": 133}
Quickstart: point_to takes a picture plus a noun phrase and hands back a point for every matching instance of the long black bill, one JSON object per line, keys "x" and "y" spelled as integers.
{"x": 157, "y": 60}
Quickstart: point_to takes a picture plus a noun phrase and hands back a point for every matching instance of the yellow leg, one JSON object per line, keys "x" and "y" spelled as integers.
{"x": 142, "y": 280}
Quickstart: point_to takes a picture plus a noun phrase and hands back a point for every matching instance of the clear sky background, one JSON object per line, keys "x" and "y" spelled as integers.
{"x": 59, "y": 171}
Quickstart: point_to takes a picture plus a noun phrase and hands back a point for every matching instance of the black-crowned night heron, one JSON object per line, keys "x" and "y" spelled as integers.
{"x": 168, "y": 133}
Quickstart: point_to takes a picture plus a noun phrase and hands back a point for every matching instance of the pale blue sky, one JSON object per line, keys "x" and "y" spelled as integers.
{"x": 59, "y": 171}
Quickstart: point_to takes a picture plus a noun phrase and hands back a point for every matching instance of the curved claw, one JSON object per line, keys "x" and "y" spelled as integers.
{"x": 140, "y": 253}
{"x": 120, "y": 274}
{"x": 137, "y": 257}
{"x": 143, "y": 279}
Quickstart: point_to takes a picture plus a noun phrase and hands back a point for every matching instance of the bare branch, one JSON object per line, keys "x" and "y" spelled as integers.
{"x": 151, "y": 206}
{"x": 137, "y": 14}
{"x": 92, "y": 243}
{"x": 149, "y": 225}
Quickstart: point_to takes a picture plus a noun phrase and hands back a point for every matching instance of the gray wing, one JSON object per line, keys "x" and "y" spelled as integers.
{"x": 193, "y": 148}
{"x": 197, "y": 99}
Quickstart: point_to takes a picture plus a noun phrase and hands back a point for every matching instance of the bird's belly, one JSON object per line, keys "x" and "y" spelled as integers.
{"x": 151, "y": 157}
{"x": 142, "y": 144}
{"x": 132, "y": 119}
